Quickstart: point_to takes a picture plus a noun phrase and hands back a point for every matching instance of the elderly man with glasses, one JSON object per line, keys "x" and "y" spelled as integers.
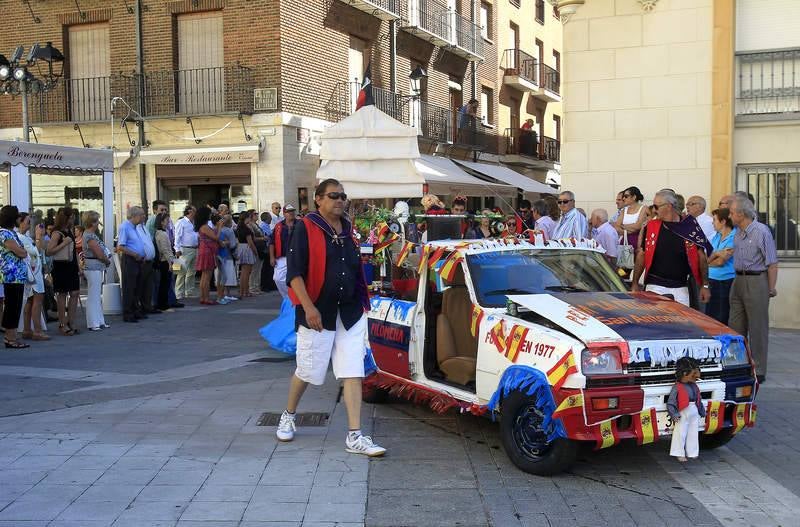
{"x": 670, "y": 251}
{"x": 696, "y": 206}
{"x": 572, "y": 223}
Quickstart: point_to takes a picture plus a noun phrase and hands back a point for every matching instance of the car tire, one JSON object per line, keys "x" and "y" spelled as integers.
{"x": 710, "y": 442}
{"x": 373, "y": 394}
{"x": 519, "y": 411}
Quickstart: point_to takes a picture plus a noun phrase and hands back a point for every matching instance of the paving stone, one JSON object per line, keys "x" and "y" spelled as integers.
{"x": 429, "y": 507}
{"x": 111, "y": 492}
{"x": 412, "y": 473}
{"x": 154, "y": 510}
{"x": 34, "y": 510}
{"x": 281, "y": 494}
{"x": 94, "y": 510}
{"x": 211, "y": 492}
{"x": 274, "y": 512}
{"x": 334, "y": 512}
{"x": 214, "y": 511}
{"x": 155, "y": 492}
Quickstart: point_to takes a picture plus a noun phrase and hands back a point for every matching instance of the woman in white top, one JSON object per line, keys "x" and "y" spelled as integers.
{"x": 96, "y": 258}
{"x": 34, "y": 293}
{"x": 632, "y": 216}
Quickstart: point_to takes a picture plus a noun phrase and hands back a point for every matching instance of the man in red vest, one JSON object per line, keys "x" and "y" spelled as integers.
{"x": 328, "y": 289}
{"x": 278, "y": 245}
{"x": 671, "y": 249}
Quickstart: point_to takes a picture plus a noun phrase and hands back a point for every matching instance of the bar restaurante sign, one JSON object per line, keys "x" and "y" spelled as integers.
{"x": 209, "y": 156}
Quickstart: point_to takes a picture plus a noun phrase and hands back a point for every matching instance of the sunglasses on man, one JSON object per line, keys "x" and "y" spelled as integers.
{"x": 337, "y": 195}
{"x": 564, "y": 201}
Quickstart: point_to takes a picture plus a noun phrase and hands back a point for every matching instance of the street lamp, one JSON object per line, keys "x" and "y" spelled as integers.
{"x": 417, "y": 76}
{"x": 15, "y": 76}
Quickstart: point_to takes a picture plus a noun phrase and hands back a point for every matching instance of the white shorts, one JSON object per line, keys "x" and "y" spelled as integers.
{"x": 680, "y": 294}
{"x": 346, "y": 347}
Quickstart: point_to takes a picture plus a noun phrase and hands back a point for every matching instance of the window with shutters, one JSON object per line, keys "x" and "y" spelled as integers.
{"x": 201, "y": 74}
{"x": 88, "y": 86}
{"x": 487, "y": 108}
{"x": 486, "y": 20}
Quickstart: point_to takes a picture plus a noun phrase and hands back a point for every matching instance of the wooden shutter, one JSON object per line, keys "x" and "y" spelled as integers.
{"x": 201, "y": 75}
{"x": 88, "y": 88}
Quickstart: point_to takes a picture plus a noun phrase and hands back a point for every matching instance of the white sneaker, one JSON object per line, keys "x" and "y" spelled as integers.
{"x": 231, "y": 298}
{"x": 286, "y": 427}
{"x": 363, "y": 445}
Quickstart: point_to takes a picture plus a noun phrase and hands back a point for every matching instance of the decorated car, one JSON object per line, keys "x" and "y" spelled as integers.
{"x": 544, "y": 337}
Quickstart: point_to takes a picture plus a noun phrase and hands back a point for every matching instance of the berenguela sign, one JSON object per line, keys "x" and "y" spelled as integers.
{"x": 201, "y": 156}
{"x": 55, "y": 156}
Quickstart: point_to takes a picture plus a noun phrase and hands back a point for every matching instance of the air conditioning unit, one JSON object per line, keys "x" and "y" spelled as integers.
{"x": 265, "y": 99}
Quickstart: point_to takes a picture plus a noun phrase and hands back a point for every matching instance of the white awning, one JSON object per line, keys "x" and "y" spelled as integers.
{"x": 443, "y": 176}
{"x": 55, "y": 157}
{"x": 201, "y": 156}
{"x": 509, "y": 176}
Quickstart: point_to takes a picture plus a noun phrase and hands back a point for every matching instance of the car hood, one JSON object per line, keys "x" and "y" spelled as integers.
{"x": 597, "y": 317}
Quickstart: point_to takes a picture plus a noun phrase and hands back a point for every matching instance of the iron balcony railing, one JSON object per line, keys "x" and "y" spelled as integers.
{"x": 551, "y": 79}
{"x": 377, "y": 7}
{"x": 434, "y": 122}
{"x": 768, "y": 82}
{"x": 202, "y": 91}
{"x": 527, "y": 143}
{"x": 467, "y": 35}
{"x": 776, "y": 194}
{"x": 432, "y": 16}
{"x": 80, "y": 100}
{"x": 473, "y": 134}
{"x": 517, "y": 62}
{"x": 446, "y": 25}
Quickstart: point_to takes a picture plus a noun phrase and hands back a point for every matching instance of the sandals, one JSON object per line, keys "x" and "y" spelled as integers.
{"x": 66, "y": 330}
{"x": 42, "y": 336}
{"x": 15, "y": 344}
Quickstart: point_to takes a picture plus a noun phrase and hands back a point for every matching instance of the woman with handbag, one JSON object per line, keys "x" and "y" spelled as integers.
{"x": 632, "y": 217}
{"x": 207, "y": 253}
{"x": 245, "y": 254}
{"x": 262, "y": 252}
{"x": 34, "y": 289}
{"x": 14, "y": 272}
{"x": 96, "y": 258}
{"x": 66, "y": 272}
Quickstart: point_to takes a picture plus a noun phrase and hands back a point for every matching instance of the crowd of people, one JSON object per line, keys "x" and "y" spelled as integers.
{"x": 42, "y": 266}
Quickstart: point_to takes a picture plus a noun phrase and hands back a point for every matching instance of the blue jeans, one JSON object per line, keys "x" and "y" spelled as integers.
{"x": 719, "y": 306}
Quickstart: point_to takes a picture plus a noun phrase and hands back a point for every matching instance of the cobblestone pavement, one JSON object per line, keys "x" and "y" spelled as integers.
{"x": 155, "y": 425}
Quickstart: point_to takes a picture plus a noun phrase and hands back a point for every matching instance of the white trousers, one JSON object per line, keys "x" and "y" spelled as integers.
{"x": 184, "y": 279}
{"x": 280, "y": 277}
{"x": 680, "y": 294}
{"x": 94, "y": 299}
{"x": 685, "y": 442}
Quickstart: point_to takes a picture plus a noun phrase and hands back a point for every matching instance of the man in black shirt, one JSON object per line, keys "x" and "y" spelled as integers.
{"x": 328, "y": 289}
{"x": 670, "y": 250}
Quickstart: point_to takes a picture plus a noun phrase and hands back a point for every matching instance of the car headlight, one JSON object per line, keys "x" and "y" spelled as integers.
{"x": 599, "y": 361}
{"x": 736, "y": 354}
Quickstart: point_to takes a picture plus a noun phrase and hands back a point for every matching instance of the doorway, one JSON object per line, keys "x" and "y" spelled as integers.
{"x": 202, "y": 194}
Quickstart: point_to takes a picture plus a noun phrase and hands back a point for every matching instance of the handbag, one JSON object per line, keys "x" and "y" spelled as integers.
{"x": 66, "y": 253}
{"x": 625, "y": 258}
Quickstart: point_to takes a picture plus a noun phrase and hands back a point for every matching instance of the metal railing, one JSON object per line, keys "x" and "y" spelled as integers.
{"x": 775, "y": 189}
{"x": 468, "y": 35}
{"x": 517, "y": 62}
{"x": 550, "y": 149}
{"x": 472, "y": 133}
{"x": 432, "y": 16}
{"x": 768, "y": 82}
{"x": 80, "y": 100}
{"x": 551, "y": 79}
{"x": 391, "y": 6}
{"x": 527, "y": 143}
{"x": 203, "y": 91}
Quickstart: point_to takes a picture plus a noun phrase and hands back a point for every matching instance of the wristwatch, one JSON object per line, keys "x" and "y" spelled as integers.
{"x": 705, "y": 286}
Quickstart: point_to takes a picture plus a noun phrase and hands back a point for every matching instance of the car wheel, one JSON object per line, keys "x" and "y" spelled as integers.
{"x": 525, "y": 440}
{"x": 710, "y": 442}
{"x": 373, "y": 395}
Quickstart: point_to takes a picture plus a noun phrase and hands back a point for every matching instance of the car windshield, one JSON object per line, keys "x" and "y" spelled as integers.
{"x": 534, "y": 271}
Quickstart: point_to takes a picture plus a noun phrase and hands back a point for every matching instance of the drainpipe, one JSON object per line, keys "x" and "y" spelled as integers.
{"x": 140, "y": 93}
{"x": 393, "y": 56}
{"x": 472, "y": 66}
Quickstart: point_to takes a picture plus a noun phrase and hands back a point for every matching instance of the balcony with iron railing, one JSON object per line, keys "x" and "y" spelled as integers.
{"x": 768, "y": 85}
{"x": 520, "y": 70}
{"x": 550, "y": 79}
{"x": 528, "y": 144}
{"x": 434, "y": 21}
{"x": 206, "y": 91}
{"x": 383, "y": 9}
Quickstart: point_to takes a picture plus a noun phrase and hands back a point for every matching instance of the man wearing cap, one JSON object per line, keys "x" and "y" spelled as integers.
{"x": 277, "y": 248}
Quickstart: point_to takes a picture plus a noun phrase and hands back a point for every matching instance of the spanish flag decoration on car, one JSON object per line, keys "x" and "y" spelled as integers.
{"x": 645, "y": 426}
{"x": 448, "y": 271}
{"x": 753, "y": 411}
{"x": 570, "y": 403}
{"x": 435, "y": 257}
{"x": 741, "y": 416}
{"x": 565, "y": 367}
{"x": 423, "y": 257}
{"x": 499, "y": 337}
{"x": 475, "y": 323}
{"x": 605, "y": 434}
{"x": 715, "y": 415}
{"x": 516, "y": 339}
{"x": 404, "y": 253}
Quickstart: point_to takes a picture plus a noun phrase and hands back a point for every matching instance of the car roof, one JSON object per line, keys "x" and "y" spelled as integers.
{"x": 500, "y": 244}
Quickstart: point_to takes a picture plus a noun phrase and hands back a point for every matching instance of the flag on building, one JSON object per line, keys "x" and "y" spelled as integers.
{"x": 451, "y": 266}
{"x": 516, "y": 340}
{"x": 605, "y": 435}
{"x": 715, "y": 415}
{"x": 645, "y": 426}
{"x": 365, "y": 97}
{"x": 741, "y": 415}
{"x": 565, "y": 367}
{"x": 499, "y": 337}
{"x": 571, "y": 403}
{"x": 475, "y": 322}
{"x": 423, "y": 257}
{"x": 404, "y": 252}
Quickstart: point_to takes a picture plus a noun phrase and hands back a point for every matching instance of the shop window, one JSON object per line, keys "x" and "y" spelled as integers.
{"x": 50, "y": 192}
